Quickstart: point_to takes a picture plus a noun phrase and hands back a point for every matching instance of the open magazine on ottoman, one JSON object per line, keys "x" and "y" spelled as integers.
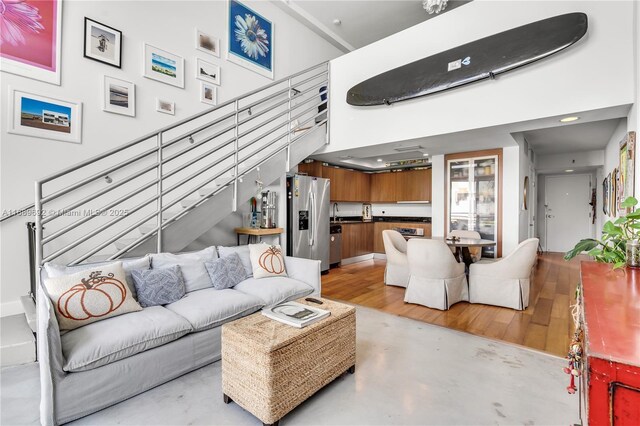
{"x": 295, "y": 314}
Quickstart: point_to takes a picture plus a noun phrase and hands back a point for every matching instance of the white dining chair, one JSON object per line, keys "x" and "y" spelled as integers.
{"x": 436, "y": 279}
{"x": 475, "y": 252}
{"x": 395, "y": 247}
{"x": 505, "y": 282}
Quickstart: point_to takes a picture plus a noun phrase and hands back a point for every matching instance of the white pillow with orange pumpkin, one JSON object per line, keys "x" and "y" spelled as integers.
{"x": 90, "y": 295}
{"x": 267, "y": 260}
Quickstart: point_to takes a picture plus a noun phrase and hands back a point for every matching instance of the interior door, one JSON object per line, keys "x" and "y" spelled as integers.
{"x": 567, "y": 211}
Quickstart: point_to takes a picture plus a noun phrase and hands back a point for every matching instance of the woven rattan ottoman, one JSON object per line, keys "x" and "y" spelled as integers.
{"x": 269, "y": 368}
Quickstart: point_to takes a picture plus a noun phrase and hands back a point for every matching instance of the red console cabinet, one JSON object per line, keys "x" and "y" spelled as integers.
{"x": 611, "y": 316}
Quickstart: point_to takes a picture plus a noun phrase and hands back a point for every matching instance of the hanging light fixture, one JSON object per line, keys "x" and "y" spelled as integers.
{"x": 434, "y": 6}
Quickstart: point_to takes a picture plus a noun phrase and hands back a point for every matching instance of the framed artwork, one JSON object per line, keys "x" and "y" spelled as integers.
{"x": 207, "y": 71}
{"x": 605, "y": 195}
{"x": 208, "y": 93}
{"x": 30, "y": 39}
{"x": 250, "y": 39}
{"x": 207, "y": 43}
{"x": 102, "y": 43}
{"x": 163, "y": 66}
{"x": 166, "y": 107}
{"x": 44, "y": 117}
{"x": 627, "y": 167}
{"x": 118, "y": 96}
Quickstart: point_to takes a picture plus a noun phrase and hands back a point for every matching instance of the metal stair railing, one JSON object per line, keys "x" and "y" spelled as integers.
{"x": 182, "y": 165}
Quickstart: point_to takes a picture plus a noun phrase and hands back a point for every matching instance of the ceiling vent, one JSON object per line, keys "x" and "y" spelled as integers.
{"x": 408, "y": 148}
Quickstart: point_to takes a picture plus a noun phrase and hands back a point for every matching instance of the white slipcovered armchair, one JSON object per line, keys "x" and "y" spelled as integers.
{"x": 397, "y": 269}
{"x": 475, "y": 252}
{"x": 436, "y": 279}
{"x": 506, "y": 281}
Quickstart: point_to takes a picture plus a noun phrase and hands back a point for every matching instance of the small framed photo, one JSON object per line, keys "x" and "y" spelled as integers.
{"x": 118, "y": 96}
{"x": 165, "y": 107}
{"x": 208, "y": 93}
{"x": 206, "y": 71}
{"x": 163, "y": 66}
{"x": 44, "y": 117}
{"x": 102, "y": 43}
{"x": 207, "y": 43}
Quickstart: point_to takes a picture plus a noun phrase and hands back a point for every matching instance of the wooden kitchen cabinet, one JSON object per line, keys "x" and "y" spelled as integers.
{"x": 413, "y": 185}
{"x": 357, "y": 239}
{"x": 383, "y": 187}
{"x": 311, "y": 169}
{"x": 347, "y": 185}
{"x": 378, "y": 227}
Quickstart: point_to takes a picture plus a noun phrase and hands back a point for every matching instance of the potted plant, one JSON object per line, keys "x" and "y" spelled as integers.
{"x": 620, "y": 242}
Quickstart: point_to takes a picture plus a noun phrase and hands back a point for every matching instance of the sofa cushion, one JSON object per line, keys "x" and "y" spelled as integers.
{"x": 55, "y": 270}
{"x": 107, "y": 341}
{"x": 243, "y": 252}
{"x": 158, "y": 286}
{"x": 89, "y": 296}
{"x": 267, "y": 260}
{"x": 274, "y": 290}
{"x": 210, "y": 308}
{"x": 226, "y": 272}
{"x": 191, "y": 264}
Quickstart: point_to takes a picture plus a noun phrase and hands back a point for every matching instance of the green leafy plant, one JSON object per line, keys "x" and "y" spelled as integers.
{"x": 611, "y": 248}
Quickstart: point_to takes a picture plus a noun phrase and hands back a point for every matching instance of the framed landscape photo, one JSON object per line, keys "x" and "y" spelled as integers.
{"x": 31, "y": 39}
{"x": 44, "y": 117}
{"x": 208, "y": 93}
{"x": 102, "y": 43}
{"x": 207, "y": 71}
{"x": 207, "y": 43}
{"x": 118, "y": 96}
{"x": 166, "y": 107}
{"x": 250, "y": 39}
{"x": 163, "y": 66}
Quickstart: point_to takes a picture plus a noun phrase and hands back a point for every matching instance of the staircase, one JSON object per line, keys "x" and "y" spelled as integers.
{"x": 162, "y": 191}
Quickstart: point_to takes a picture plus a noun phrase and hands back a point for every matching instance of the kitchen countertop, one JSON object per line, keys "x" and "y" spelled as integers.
{"x": 395, "y": 219}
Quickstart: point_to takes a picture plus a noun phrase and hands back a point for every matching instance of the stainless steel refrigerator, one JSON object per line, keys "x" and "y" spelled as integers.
{"x": 308, "y": 218}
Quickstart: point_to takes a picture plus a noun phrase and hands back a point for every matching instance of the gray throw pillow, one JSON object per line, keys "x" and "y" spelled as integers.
{"x": 158, "y": 286}
{"x": 226, "y": 272}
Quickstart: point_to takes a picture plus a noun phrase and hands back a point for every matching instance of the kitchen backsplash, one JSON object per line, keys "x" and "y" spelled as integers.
{"x": 388, "y": 209}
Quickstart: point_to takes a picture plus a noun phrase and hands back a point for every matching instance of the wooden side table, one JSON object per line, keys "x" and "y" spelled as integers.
{"x": 258, "y": 233}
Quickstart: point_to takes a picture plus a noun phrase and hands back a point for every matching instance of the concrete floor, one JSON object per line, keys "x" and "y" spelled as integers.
{"x": 407, "y": 372}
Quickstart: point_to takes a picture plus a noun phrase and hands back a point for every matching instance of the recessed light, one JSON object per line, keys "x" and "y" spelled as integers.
{"x": 569, "y": 119}
{"x": 425, "y": 155}
{"x": 379, "y": 160}
{"x": 569, "y": 170}
{"x": 337, "y": 21}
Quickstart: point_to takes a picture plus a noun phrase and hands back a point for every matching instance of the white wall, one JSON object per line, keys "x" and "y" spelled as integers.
{"x": 568, "y": 82}
{"x": 612, "y": 156}
{"x": 385, "y": 209}
{"x": 633, "y": 119}
{"x": 168, "y": 25}
{"x": 512, "y": 179}
{"x": 437, "y": 195}
{"x": 570, "y": 160}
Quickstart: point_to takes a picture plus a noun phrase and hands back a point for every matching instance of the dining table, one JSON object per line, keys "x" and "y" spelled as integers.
{"x": 462, "y": 245}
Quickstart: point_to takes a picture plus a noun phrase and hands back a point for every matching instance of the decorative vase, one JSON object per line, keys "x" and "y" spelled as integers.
{"x": 633, "y": 253}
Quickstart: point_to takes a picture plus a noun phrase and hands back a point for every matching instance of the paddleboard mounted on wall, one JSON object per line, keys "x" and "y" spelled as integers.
{"x": 475, "y": 61}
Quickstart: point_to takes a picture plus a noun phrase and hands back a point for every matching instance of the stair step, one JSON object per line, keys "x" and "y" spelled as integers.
{"x": 29, "y": 308}
{"x": 146, "y": 228}
{"x": 188, "y": 201}
{"x": 123, "y": 242}
{"x": 17, "y": 343}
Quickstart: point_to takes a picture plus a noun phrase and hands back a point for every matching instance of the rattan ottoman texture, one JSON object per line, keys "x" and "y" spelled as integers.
{"x": 269, "y": 368}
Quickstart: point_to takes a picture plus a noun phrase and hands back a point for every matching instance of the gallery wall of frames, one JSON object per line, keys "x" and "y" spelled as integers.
{"x": 82, "y": 77}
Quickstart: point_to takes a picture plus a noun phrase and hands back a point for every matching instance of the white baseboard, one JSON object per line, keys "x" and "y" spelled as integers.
{"x": 380, "y": 256}
{"x": 356, "y": 259}
{"x": 11, "y": 308}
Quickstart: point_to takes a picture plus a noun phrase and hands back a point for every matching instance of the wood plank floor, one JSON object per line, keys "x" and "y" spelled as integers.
{"x": 545, "y": 325}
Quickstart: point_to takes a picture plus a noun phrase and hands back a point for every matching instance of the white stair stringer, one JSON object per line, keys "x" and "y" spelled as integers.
{"x": 178, "y": 234}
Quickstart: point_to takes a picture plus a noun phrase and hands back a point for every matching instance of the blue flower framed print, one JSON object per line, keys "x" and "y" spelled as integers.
{"x": 250, "y": 39}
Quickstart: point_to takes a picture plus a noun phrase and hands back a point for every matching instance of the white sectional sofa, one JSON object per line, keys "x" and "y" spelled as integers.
{"x": 103, "y": 363}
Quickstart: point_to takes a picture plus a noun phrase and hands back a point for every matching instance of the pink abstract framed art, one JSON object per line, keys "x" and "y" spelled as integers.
{"x": 30, "y": 38}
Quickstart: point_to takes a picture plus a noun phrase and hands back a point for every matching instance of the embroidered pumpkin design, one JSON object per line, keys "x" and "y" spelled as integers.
{"x": 271, "y": 260}
{"x": 94, "y": 297}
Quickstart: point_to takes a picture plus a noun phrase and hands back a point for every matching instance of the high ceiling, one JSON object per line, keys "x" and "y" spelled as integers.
{"x": 361, "y": 21}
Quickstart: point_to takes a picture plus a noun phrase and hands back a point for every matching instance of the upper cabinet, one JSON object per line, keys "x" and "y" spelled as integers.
{"x": 408, "y": 185}
{"x": 386, "y": 187}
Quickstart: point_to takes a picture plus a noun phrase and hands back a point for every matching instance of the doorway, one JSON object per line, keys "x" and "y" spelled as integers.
{"x": 568, "y": 214}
